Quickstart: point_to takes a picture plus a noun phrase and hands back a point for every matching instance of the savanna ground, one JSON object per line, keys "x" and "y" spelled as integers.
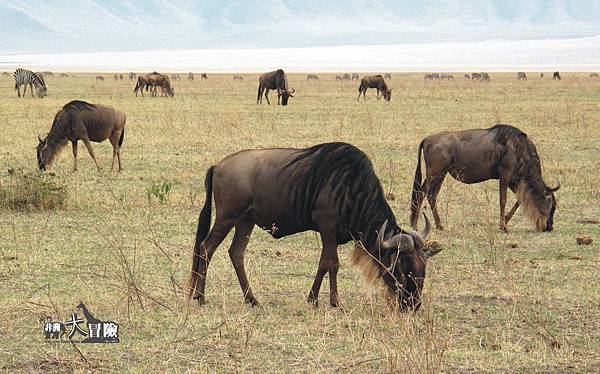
{"x": 493, "y": 302}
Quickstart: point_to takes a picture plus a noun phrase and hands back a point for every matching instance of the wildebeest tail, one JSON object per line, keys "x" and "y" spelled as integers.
{"x": 360, "y": 88}
{"x": 417, "y": 188}
{"x": 202, "y": 231}
{"x": 122, "y": 137}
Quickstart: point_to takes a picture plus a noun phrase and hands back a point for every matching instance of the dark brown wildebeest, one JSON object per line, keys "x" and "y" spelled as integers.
{"x": 355, "y": 76}
{"x": 522, "y": 76}
{"x": 120, "y": 77}
{"x": 467, "y": 76}
{"x": 387, "y": 76}
{"x": 99, "y": 78}
{"x": 160, "y": 80}
{"x": 501, "y": 152}
{"x": 203, "y": 76}
{"x": 142, "y": 83}
{"x": 329, "y": 188}
{"x": 377, "y": 82}
{"x": 79, "y": 120}
{"x": 541, "y": 75}
{"x": 274, "y": 80}
{"x": 238, "y": 78}
{"x": 556, "y": 75}
{"x": 132, "y": 76}
{"x": 312, "y": 77}
{"x": 476, "y": 76}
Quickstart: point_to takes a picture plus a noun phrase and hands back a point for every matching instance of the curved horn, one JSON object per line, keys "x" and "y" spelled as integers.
{"x": 554, "y": 189}
{"x": 40, "y": 138}
{"x": 291, "y": 91}
{"x": 427, "y": 228}
{"x": 380, "y": 241}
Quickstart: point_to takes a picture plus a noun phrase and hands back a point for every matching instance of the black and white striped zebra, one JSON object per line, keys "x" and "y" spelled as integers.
{"x": 25, "y": 77}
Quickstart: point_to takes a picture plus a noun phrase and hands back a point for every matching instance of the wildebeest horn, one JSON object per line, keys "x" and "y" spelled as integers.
{"x": 292, "y": 91}
{"x": 395, "y": 241}
{"x": 427, "y": 228}
{"x": 40, "y": 138}
{"x": 380, "y": 241}
{"x": 554, "y": 189}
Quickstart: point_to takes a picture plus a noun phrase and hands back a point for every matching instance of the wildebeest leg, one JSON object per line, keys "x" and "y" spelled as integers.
{"x": 114, "y": 140}
{"x": 243, "y": 230}
{"x": 74, "y": 144}
{"x": 267, "y": 95}
{"x": 433, "y": 190}
{"x": 329, "y": 262}
{"x": 88, "y": 145}
{"x": 511, "y": 213}
{"x": 503, "y": 192}
{"x": 209, "y": 246}
{"x": 378, "y": 94}
{"x": 416, "y": 212}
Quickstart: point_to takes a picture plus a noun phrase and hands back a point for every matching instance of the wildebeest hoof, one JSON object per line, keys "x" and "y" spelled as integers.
{"x": 252, "y": 301}
{"x": 440, "y": 227}
{"x": 313, "y": 301}
{"x": 200, "y": 299}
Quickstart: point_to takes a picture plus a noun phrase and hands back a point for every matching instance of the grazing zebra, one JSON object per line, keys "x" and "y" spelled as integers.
{"x": 27, "y": 77}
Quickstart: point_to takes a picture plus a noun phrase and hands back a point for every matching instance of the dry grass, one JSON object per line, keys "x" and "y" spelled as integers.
{"x": 494, "y": 302}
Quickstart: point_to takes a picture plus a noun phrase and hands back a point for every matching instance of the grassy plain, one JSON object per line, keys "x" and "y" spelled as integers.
{"x": 494, "y": 302}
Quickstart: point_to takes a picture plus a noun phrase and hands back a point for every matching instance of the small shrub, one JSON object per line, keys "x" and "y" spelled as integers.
{"x": 160, "y": 191}
{"x": 23, "y": 191}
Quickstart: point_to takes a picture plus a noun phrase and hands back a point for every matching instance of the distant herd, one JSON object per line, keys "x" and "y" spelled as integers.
{"x": 329, "y": 188}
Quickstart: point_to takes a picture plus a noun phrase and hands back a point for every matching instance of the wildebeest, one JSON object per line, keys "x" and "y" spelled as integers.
{"x": 377, "y": 82}
{"x": 556, "y": 75}
{"x": 203, "y": 76}
{"x": 120, "y": 77}
{"x": 521, "y": 76}
{"x": 485, "y": 77}
{"x": 467, "y": 76}
{"x": 435, "y": 76}
{"x": 428, "y": 77}
{"x": 132, "y": 76}
{"x": 476, "y": 76}
{"x": 88, "y": 122}
{"x": 339, "y": 78}
{"x": 116, "y": 77}
{"x": 238, "y": 78}
{"x": 501, "y": 152}
{"x": 160, "y": 80}
{"x": 594, "y": 75}
{"x": 541, "y": 75}
{"x": 99, "y": 78}
{"x": 190, "y": 76}
{"x": 329, "y": 188}
{"x": 447, "y": 77}
{"x": 346, "y": 77}
{"x": 312, "y": 77}
{"x": 387, "y": 76}
{"x": 175, "y": 77}
{"x": 142, "y": 83}
{"x": 64, "y": 75}
{"x": 355, "y": 76}
{"x": 274, "y": 80}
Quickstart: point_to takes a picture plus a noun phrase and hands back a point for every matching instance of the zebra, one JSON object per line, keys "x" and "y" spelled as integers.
{"x": 25, "y": 77}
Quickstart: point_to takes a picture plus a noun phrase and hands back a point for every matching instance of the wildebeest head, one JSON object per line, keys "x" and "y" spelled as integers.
{"x": 549, "y": 205}
{"x": 539, "y": 204}
{"x": 387, "y": 95}
{"x": 402, "y": 265}
{"x": 285, "y": 95}
{"x": 43, "y": 153}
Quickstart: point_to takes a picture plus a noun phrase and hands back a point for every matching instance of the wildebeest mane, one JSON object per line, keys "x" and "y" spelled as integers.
{"x": 355, "y": 189}
{"x": 530, "y": 188}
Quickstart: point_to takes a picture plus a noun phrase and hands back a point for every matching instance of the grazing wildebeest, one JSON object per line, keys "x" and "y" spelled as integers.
{"x": 377, "y": 82}
{"x": 274, "y": 80}
{"x": 329, "y": 188}
{"x": 387, "y": 76}
{"x": 446, "y": 77}
{"x": 142, "y": 83}
{"x": 476, "y": 76}
{"x": 132, "y": 76}
{"x": 556, "y": 75}
{"x": 594, "y": 75}
{"x": 88, "y": 122}
{"x": 355, "y": 76}
{"x": 501, "y": 152}
{"x": 238, "y": 78}
{"x": 99, "y": 78}
{"x": 435, "y": 76}
{"x": 521, "y": 76}
{"x": 467, "y": 76}
{"x": 160, "y": 80}
{"x": 312, "y": 77}
{"x": 541, "y": 75}
{"x": 203, "y": 76}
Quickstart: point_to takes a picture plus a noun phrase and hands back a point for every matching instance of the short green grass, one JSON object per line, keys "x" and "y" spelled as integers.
{"x": 494, "y": 302}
